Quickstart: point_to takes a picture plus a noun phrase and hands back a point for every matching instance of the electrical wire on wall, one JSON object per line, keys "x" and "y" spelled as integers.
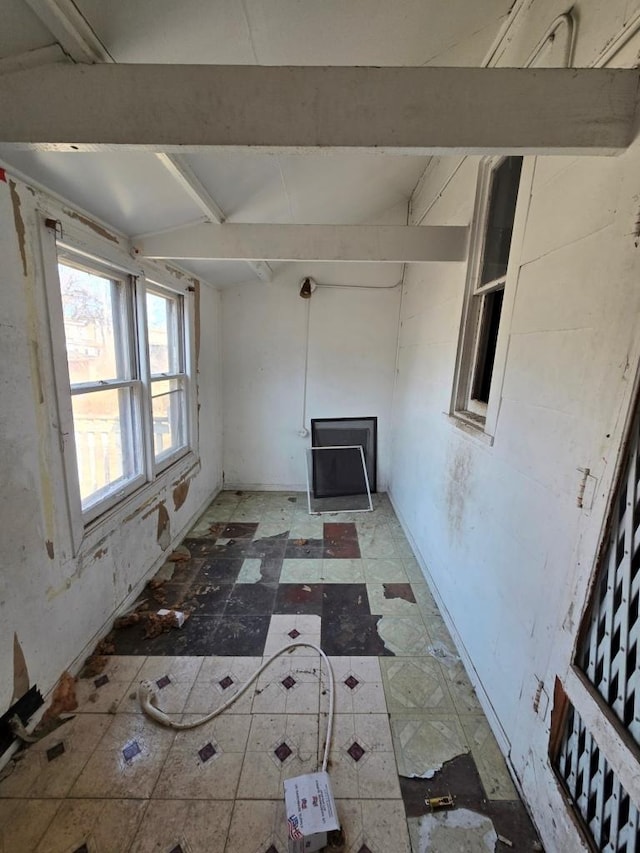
{"x": 307, "y": 287}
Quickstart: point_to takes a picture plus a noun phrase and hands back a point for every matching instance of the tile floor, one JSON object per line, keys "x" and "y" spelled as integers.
{"x": 262, "y": 573}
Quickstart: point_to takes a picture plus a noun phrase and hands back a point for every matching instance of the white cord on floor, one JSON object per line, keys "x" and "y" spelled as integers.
{"x": 147, "y": 697}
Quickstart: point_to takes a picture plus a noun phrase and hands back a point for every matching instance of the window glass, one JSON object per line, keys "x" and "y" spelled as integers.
{"x": 90, "y": 307}
{"x": 164, "y": 337}
{"x": 168, "y": 399}
{"x": 487, "y": 341}
{"x": 104, "y": 426}
{"x": 501, "y": 213}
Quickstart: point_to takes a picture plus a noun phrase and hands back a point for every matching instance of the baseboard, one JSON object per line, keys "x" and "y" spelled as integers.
{"x": 262, "y": 487}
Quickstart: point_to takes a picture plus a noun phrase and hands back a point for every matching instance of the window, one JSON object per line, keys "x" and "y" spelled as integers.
{"x": 494, "y": 219}
{"x": 168, "y": 374}
{"x": 128, "y": 375}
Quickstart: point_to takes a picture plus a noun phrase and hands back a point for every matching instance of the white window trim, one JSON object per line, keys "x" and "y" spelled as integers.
{"x": 86, "y": 529}
{"x": 475, "y": 417}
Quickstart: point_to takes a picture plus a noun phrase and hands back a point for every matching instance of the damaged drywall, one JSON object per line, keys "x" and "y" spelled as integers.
{"x": 94, "y": 226}
{"x": 164, "y": 527}
{"x": 180, "y": 494}
{"x": 18, "y": 223}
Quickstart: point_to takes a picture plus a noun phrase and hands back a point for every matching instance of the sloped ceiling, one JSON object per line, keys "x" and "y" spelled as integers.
{"x": 134, "y": 193}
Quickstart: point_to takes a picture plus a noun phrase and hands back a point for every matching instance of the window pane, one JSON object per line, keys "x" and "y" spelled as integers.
{"x": 502, "y": 210}
{"x": 169, "y": 422}
{"x": 487, "y": 340}
{"x": 89, "y": 304}
{"x": 164, "y": 339}
{"x": 104, "y": 429}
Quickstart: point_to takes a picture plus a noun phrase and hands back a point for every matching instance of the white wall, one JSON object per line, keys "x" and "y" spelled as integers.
{"x": 55, "y": 603}
{"x": 352, "y": 347}
{"x": 497, "y": 528}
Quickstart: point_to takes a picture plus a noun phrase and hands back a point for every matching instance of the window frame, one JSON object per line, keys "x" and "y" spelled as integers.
{"x": 469, "y": 412}
{"x": 164, "y": 460}
{"x": 89, "y": 526}
{"x": 125, "y": 318}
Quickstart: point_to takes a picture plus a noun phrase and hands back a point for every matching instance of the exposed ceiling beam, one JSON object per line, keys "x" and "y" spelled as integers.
{"x": 385, "y": 243}
{"x": 70, "y": 29}
{"x": 79, "y": 41}
{"x": 178, "y": 108}
{"x": 188, "y": 180}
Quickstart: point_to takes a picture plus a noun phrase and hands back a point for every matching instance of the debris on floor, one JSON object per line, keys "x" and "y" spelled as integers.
{"x": 181, "y": 554}
{"x": 442, "y": 653}
{"x": 444, "y": 802}
{"x": 457, "y": 829}
{"x": 64, "y": 699}
{"x": 99, "y": 658}
{"x": 156, "y": 624}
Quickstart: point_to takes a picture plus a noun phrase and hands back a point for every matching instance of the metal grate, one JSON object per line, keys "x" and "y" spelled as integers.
{"x": 608, "y": 653}
{"x": 606, "y": 809}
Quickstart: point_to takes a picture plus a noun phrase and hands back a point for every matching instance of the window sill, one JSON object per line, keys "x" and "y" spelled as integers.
{"x": 130, "y": 507}
{"x": 471, "y": 424}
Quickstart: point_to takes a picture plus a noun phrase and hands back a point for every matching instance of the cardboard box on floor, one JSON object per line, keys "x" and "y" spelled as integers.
{"x": 311, "y": 812}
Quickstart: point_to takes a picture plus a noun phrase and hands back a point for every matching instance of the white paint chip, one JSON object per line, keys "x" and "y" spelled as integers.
{"x": 443, "y": 654}
{"x": 458, "y": 830}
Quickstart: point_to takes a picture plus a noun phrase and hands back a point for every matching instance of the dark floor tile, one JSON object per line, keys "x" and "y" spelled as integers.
{"x": 341, "y": 549}
{"x": 129, "y": 641}
{"x": 304, "y": 549}
{"x": 201, "y": 547}
{"x": 345, "y": 599}
{"x": 399, "y": 590}
{"x": 216, "y": 569}
{"x": 339, "y": 531}
{"x": 196, "y": 637}
{"x": 239, "y": 530}
{"x": 185, "y": 571}
{"x": 299, "y": 598}
{"x": 209, "y": 597}
{"x": 241, "y": 635}
{"x": 352, "y": 635}
{"x": 460, "y": 778}
{"x": 270, "y": 570}
{"x": 248, "y": 598}
{"x": 232, "y": 548}
{"x": 167, "y": 595}
{"x": 267, "y": 548}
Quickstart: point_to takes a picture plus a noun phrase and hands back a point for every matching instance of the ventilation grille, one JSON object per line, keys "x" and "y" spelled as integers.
{"x": 606, "y": 809}
{"x": 608, "y": 654}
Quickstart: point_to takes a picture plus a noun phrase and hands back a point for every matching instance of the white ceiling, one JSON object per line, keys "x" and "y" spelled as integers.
{"x": 134, "y": 193}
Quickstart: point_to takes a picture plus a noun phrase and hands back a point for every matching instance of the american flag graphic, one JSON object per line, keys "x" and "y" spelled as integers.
{"x": 294, "y": 832}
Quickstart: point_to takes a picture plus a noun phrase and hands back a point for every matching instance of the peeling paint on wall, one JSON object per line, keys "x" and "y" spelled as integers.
{"x": 164, "y": 527}
{"x": 91, "y": 224}
{"x": 49, "y": 545}
{"x": 19, "y": 224}
{"x": 180, "y": 494}
{"x": 20, "y": 671}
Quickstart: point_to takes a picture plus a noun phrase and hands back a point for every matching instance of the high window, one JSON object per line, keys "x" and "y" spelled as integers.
{"x": 494, "y": 219}
{"x": 128, "y": 367}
